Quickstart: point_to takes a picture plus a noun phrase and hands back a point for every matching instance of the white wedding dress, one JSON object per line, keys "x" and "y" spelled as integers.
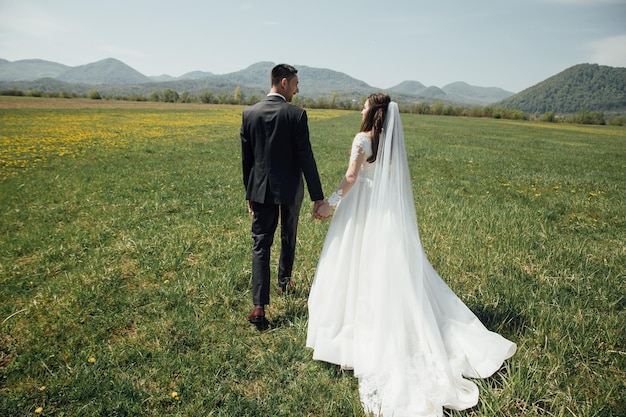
{"x": 378, "y": 307}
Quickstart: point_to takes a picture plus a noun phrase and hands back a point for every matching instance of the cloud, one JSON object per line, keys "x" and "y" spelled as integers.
{"x": 609, "y": 51}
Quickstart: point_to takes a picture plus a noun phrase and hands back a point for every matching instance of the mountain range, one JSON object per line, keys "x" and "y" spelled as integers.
{"x": 111, "y": 76}
{"x": 590, "y": 87}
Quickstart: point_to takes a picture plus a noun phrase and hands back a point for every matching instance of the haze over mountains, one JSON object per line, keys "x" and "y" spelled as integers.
{"x": 112, "y": 75}
{"x": 585, "y": 86}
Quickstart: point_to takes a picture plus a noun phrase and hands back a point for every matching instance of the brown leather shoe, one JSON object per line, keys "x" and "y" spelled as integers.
{"x": 286, "y": 288}
{"x": 257, "y": 315}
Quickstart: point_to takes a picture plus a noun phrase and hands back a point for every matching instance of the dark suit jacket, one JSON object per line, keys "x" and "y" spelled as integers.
{"x": 276, "y": 152}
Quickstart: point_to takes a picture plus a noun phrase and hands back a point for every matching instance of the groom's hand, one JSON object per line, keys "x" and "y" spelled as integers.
{"x": 321, "y": 210}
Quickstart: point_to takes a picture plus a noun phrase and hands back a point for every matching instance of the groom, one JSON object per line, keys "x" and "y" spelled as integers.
{"x": 276, "y": 152}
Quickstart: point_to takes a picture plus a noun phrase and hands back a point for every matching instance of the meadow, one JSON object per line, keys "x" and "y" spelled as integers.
{"x": 125, "y": 261}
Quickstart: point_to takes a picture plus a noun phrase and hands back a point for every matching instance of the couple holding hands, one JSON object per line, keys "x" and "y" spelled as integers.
{"x": 376, "y": 305}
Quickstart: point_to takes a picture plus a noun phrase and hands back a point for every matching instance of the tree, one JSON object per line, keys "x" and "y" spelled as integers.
{"x": 255, "y": 99}
{"x": 420, "y": 108}
{"x": 448, "y": 111}
{"x": 333, "y": 99}
{"x": 475, "y": 112}
{"x": 322, "y": 103}
{"x": 618, "y": 121}
{"x": 296, "y": 101}
{"x": 589, "y": 118}
{"x": 436, "y": 108}
{"x": 548, "y": 117}
{"x": 238, "y": 96}
{"x": 186, "y": 97}
{"x": 206, "y": 97}
{"x": 170, "y": 96}
{"x": 155, "y": 96}
{"x": 223, "y": 98}
{"x": 94, "y": 95}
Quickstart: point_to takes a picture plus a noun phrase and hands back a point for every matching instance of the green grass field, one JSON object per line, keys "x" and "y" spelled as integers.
{"x": 125, "y": 262}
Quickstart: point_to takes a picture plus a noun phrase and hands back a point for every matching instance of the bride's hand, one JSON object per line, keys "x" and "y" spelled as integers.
{"x": 322, "y": 210}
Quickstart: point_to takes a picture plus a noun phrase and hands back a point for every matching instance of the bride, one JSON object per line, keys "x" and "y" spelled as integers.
{"x": 376, "y": 305}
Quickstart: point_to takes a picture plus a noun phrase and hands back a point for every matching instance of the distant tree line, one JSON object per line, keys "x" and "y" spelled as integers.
{"x": 238, "y": 97}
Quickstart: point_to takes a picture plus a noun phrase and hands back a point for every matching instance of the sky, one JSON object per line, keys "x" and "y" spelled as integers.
{"x": 511, "y": 44}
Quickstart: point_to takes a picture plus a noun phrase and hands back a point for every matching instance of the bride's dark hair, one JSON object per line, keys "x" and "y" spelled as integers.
{"x": 374, "y": 119}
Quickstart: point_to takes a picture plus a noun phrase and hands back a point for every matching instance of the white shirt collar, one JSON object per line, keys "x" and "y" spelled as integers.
{"x": 277, "y": 94}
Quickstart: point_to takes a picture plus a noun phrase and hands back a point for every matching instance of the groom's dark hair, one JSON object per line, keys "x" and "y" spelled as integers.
{"x": 281, "y": 71}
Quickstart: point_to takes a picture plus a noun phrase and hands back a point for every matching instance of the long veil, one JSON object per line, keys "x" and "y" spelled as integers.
{"x": 415, "y": 339}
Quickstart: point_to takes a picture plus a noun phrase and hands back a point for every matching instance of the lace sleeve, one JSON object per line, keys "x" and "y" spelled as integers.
{"x": 357, "y": 156}
{"x": 335, "y": 198}
{"x": 358, "y": 147}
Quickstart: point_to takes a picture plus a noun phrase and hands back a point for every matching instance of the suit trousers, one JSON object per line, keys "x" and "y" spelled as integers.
{"x": 264, "y": 224}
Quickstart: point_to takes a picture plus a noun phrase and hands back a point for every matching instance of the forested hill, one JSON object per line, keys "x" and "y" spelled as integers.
{"x": 589, "y": 87}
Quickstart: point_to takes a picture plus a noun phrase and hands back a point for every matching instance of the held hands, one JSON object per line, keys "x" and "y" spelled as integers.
{"x": 321, "y": 210}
